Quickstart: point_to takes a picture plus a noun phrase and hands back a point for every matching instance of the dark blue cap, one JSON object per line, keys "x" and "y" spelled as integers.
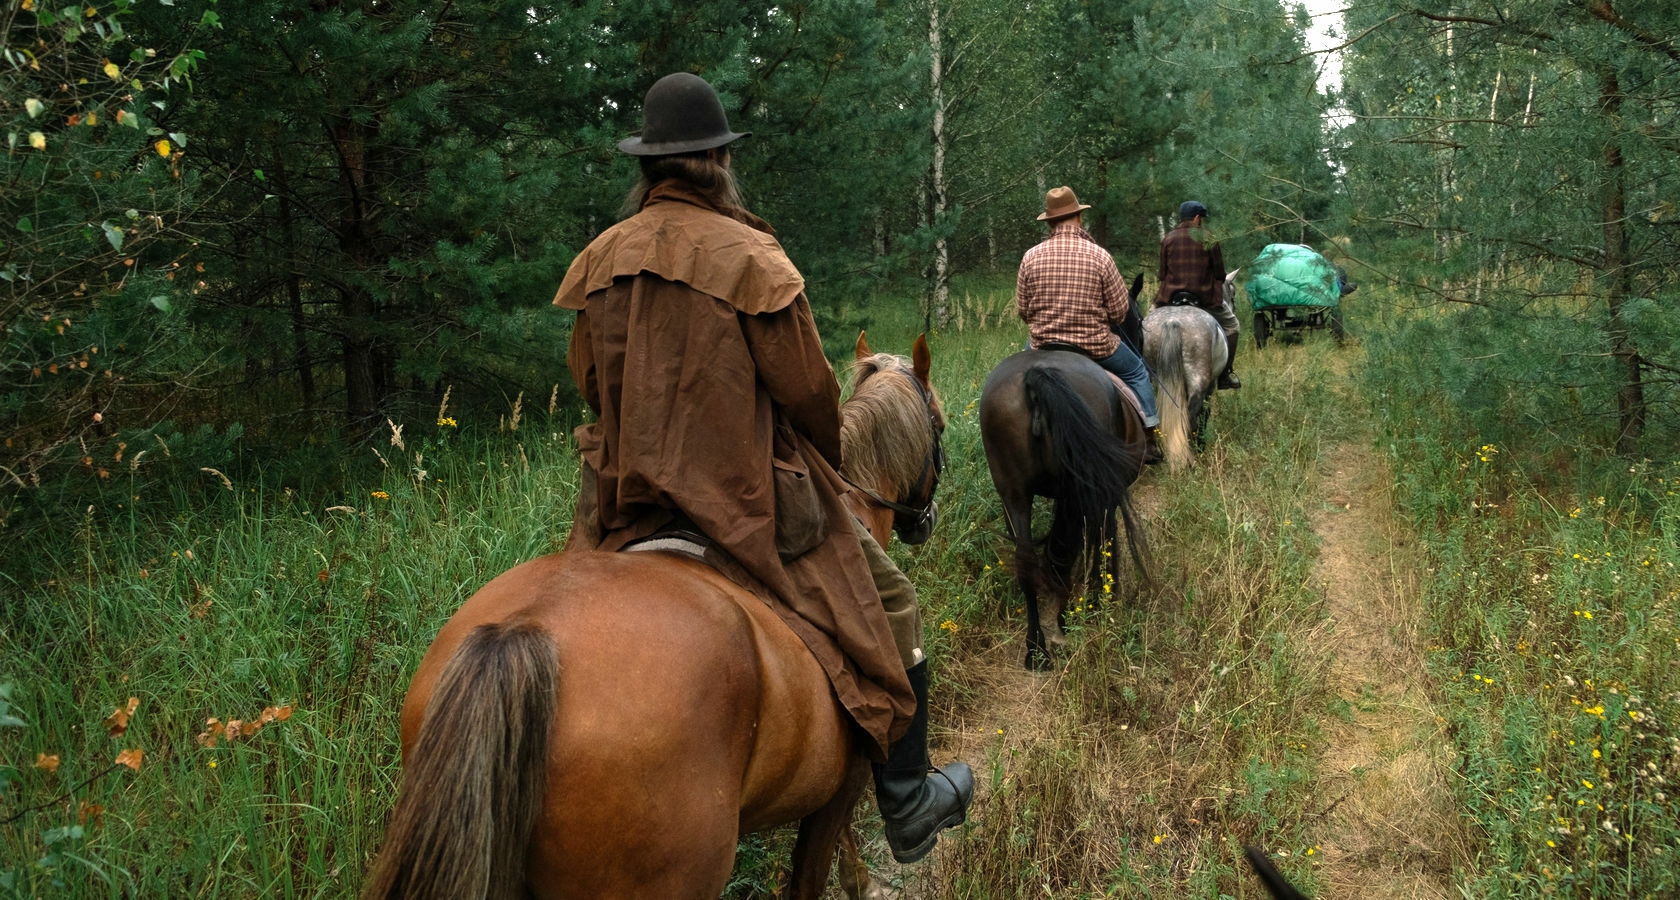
{"x": 1190, "y": 209}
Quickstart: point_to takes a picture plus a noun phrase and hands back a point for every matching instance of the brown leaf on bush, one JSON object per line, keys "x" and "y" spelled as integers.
{"x": 131, "y": 758}
{"x": 43, "y": 761}
{"x": 90, "y": 811}
{"x": 117, "y": 722}
{"x": 283, "y": 713}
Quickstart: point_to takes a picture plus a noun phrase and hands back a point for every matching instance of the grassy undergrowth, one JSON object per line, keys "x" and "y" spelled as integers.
{"x": 1552, "y": 597}
{"x": 253, "y": 601}
{"x": 1187, "y": 719}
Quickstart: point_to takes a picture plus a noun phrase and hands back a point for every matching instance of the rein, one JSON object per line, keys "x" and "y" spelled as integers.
{"x": 932, "y": 466}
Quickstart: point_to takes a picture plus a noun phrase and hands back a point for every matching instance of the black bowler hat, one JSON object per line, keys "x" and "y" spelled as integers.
{"x": 1190, "y": 209}
{"x": 680, "y": 114}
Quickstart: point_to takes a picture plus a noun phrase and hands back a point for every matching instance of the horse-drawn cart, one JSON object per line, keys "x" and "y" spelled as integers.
{"x": 1292, "y": 288}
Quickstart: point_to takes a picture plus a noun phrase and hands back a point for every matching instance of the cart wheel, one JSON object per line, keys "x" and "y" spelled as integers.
{"x": 1262, "y": 329}
{"x": 1337, "y": 329}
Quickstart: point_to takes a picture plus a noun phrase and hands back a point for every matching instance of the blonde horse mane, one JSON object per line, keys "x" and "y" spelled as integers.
{"x": 884, "y": 426}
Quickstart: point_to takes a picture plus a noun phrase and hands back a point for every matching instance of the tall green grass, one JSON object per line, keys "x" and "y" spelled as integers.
{"x": 222, "y": 608}
{"x": 1552, "y": 597}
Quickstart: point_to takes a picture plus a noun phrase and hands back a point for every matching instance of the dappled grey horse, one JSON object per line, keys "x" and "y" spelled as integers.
{"x": 1185, "y": 349}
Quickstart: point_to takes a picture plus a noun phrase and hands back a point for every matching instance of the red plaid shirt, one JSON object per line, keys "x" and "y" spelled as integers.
{"x": 1189, "y": 265}
{"x": 1069, "y": 290}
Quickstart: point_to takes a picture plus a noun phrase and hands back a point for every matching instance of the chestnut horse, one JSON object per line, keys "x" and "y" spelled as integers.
{"x": 607, "y": 725}
{"x": 1054, "y": 425}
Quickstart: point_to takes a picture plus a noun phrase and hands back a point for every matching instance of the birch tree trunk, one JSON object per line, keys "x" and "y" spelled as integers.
{"x": 940, "y": 288}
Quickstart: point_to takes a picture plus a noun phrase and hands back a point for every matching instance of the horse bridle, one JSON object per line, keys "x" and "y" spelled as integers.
{"x": 918, "y": 517}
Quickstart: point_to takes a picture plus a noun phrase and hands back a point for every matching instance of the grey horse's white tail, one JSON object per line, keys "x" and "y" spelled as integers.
{"x": 1186, "y": 348}
{"x": 1173, "y": 396}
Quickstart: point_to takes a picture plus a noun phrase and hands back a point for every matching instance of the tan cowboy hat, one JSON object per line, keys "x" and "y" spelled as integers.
{"x": 1061, "y": 203}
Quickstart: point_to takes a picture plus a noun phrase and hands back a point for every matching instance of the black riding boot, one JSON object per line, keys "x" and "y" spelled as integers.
{"x": 1228, "y": 378}
{"x": 918, "y": 801}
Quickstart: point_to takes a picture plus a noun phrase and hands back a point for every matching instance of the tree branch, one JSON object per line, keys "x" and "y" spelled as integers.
{"x": 71, "y": 792}
{"x": 1533, "y": 34}
{"x": 1345, "y": 44}
{"x": 1601, "y": 10}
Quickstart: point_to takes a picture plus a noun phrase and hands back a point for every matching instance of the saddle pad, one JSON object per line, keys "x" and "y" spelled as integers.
{"x": 1126, "y": 393}
{"x": 680, "y": 543}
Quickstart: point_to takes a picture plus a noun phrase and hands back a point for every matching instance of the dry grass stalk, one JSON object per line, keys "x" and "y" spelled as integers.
{"x": 225, "y": 482}
{"x": 443, "y": 407}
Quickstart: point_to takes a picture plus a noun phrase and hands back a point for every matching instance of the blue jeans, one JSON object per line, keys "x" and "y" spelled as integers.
{"x": 1131, "y": 370}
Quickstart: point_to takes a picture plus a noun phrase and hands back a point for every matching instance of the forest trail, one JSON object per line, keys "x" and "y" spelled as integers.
{"x": 1389, "y": 824}
{"x": 1385, "y": 824}
{"x": 1007, "y": 712}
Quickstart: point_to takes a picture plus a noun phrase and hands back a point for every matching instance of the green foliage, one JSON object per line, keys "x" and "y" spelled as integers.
{"x": 95, "y": 280}
{"x": 1169, "y": 102}
{"x": 1520, "y": 158}
{"x": 1552, "y": 593}
{"x": 295, "y": 621}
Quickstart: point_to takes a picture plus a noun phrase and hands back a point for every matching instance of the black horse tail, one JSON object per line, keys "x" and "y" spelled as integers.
{"x": 1094, "y": 463}
{"x": 1271, "y": 877}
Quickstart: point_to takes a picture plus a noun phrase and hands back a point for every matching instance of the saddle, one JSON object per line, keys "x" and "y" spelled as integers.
{"x": 1126, "y": 393}
{"x": 1184, "y": 298}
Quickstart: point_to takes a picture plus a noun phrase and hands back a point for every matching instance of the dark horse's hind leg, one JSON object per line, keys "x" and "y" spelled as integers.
{"x": 1029, "y": 573}
{"x": 1017, "y": 518}
{"x": 1048, "y": 613}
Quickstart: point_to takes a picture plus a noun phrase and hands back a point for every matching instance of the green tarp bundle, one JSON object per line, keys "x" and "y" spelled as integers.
{"x": 1291, "y": 275}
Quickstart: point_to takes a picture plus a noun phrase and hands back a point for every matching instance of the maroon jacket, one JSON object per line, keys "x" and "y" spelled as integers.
{"x": 1187, "y": 264}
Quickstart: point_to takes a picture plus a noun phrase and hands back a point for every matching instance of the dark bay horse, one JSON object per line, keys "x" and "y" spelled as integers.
{"x": 1054, "y": 425}
{"x": 606, "y": 725}
{"x": 1185, "y": 348}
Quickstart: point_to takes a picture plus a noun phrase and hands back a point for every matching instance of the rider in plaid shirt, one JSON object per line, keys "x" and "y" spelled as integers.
{"x": 1069, "y": 291}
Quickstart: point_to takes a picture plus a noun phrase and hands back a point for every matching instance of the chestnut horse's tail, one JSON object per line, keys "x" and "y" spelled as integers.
{"x": 473, "y": 785}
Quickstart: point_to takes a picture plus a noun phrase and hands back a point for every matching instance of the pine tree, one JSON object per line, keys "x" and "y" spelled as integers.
{"x": 1524, "y": 153}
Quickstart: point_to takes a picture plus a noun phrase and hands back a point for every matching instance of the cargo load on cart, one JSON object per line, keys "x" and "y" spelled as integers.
{"x": 1292, "y": 287}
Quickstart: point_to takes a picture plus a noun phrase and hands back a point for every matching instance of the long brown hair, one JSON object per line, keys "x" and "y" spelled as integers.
{"x": 706, "y": 172}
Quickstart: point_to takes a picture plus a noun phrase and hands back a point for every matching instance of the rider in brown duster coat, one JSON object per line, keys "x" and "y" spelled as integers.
{"x": 695, "y": 346}
{"x": 695, "y": 343}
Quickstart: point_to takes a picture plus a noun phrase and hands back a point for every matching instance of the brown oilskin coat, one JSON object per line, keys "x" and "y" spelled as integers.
{"x": 695, "y": 347}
